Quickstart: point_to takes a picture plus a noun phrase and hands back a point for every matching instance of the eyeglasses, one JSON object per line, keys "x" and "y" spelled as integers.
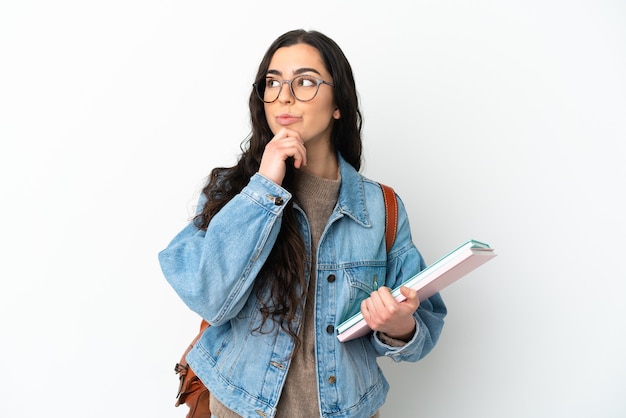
{"x": 302, "y": 87}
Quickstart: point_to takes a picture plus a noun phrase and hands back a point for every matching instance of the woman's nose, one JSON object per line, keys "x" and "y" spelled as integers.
{"x": 285, "y": 95}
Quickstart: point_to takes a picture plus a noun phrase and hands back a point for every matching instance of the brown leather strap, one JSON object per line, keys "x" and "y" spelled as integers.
{"x": 203, "y": 325}
{"x": 391, "y": 215}
{"x": 186, "y": 375}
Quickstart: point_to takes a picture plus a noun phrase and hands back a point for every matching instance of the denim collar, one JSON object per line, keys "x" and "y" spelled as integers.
{"x": 351, "y": 201}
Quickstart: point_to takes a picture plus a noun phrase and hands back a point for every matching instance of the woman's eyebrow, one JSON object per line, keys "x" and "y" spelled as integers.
{"x": 306, "y": 70}
{"x": 296, "y": 72}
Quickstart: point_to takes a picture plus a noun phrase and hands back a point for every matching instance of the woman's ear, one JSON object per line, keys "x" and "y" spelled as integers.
{"x": 337, "y": 114}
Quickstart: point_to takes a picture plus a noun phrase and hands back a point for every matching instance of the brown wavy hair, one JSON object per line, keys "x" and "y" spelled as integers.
{"x": 283, "y": 274}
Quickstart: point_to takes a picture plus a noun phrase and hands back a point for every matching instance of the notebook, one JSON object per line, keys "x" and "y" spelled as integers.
{"x": 443, "y": 272}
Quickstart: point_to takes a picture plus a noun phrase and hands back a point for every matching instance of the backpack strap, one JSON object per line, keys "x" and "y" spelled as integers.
{"x": 391, "y": 215}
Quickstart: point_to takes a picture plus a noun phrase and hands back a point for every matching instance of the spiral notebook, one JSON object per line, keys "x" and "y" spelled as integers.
{"x": 443, "y": 272}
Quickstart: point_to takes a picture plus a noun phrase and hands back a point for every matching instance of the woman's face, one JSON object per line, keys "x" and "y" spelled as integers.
{"x": 311, "y": 119}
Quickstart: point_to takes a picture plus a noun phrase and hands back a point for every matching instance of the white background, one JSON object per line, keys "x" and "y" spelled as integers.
{"x": 502, "y": 121}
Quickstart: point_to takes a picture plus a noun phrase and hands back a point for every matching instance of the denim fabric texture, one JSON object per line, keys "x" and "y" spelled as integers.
{"x": 213, "y": 272}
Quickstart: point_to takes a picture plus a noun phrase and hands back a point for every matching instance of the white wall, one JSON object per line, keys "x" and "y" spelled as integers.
{"x": 496, "y": 120}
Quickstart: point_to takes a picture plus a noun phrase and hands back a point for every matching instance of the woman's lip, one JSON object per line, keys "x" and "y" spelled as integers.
{"x": 286, "y": 119}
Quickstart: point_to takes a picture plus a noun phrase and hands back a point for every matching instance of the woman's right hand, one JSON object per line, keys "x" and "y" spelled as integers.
{"x": 286, "y": 143}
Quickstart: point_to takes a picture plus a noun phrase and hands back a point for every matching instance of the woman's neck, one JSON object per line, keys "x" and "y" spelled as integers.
{"x": 321, "y": 161}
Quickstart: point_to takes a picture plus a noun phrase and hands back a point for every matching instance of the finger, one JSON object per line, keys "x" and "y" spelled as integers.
{"x": 376, "y": 309}
{"x": 385, "y": 301}
{"x": 385, "y": 305}
{"x": 300, "y": 156}
{"x": 369, "y": 314}
{"x": 287, "y": 133}
{"x": 283, "y": 147}
{"x": 365, "y": 311}
{"x": 291, "y": 145}
{"x": 388, "y": 305}
{"x": 412, "y": 298}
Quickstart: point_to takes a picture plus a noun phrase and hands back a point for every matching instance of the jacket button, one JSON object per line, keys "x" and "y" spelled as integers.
{"x": 278, "y": 201}
{"x": 332, "y": 380}
{"x": 331, "y": 278}
{"x": 330, "y": 329}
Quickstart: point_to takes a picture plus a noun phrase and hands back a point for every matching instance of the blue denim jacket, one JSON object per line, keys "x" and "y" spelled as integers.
{"x": 213, "y": 272}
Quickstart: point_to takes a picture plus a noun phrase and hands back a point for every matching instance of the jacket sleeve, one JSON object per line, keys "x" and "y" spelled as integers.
{"x": 403, "y": 262}
{"x": 213, "y": 271}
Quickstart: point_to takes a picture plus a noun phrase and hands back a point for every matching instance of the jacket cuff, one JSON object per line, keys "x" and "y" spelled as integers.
{"x": 266, "y": 193}
{"x": 396, "y": 348}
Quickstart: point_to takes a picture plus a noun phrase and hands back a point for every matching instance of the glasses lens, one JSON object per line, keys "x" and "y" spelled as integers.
{"x": 264, "y": 93}
{"x": 305, "y": 87}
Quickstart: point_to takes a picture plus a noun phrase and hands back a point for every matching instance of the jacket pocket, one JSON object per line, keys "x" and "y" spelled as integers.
{"x": 363, "y": 280}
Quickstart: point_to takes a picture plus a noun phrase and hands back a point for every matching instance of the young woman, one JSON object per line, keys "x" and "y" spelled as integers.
{"x": 290, "y": 242}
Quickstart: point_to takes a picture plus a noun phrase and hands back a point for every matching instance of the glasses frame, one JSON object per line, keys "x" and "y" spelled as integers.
{"x": 318, "y": 81}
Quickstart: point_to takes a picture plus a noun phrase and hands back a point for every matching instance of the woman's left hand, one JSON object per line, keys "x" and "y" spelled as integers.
{"x": 384, "y": 313}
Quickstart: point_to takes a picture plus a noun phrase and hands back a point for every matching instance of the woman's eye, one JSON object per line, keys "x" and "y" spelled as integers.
{"x": 272, "y": 83}
{"x": 306, "y": 82}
